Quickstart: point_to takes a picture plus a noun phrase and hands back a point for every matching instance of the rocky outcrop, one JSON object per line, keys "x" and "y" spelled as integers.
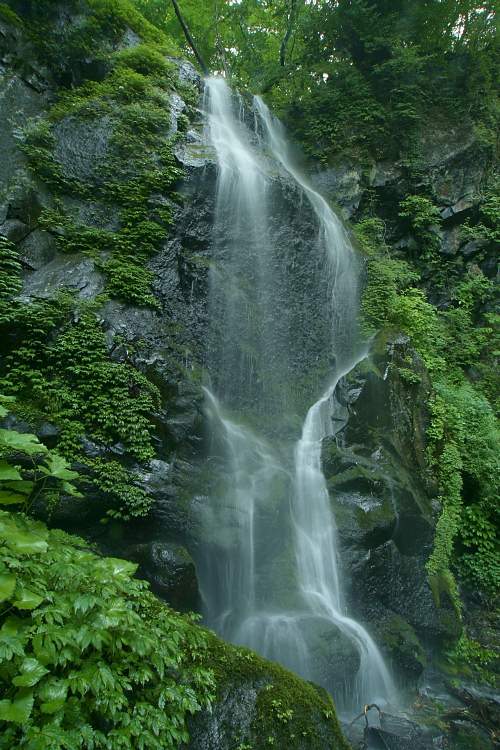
{"x": 163, "y": 342}
{"x": 382, "y": 501}
{"x": 452, "y": 167}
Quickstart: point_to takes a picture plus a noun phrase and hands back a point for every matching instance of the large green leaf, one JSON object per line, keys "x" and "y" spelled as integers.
{"x": 19, "y": 709}
{"x": 11, "y": 495}
{"x": 23, "y": 541}
{"x": 57, "y": 466}
{"x": 27, "y": 599}
{"x": 20, "y": 441}
{"x": 23, "y": 486}
{"x": 53, "y": 694}
{"x": 8, "y": 472}
{"x": 31, "y": 673}
{"x": 7, "y": 585}
{"x": 70, "y": 489}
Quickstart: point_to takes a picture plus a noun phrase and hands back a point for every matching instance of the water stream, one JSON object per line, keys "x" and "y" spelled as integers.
{"x": 284, "y": 332}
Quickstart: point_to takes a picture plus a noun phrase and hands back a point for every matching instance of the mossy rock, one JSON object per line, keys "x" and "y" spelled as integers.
{"x": 406, "y": 651}
{"x": 260, "y": 705}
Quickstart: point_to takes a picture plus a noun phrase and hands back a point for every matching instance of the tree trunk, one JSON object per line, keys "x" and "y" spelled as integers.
{"x": 291, "y": 21}
{"x": 190, "y": 39}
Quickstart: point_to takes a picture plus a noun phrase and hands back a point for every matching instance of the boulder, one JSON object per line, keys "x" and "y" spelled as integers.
{"x": 170, "y": 570}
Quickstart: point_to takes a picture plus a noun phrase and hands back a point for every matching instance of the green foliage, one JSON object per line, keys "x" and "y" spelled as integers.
{"x": 470, "y": 657}
{"x": 129, "y": 282}
{"x": 487, "y": 229}
{"x": 120, "y": 485}
{"x": 28, "y": 470}
{"x": 88, "y": 657}
{"x": 10, "y": 277}
{"x": 420, "y": 212}
{"x": 464, "y": 442}
{"x": 93, "y": 38}
{"x": 423, "y": 218}
{"x": 391, "y": 302}
{"x": 71, "y": 378}
{"x": 146, "y": 60}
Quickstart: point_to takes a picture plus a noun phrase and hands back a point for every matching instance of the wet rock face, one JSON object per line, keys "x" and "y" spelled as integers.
{"x": 381, "y": 499}
{"x": 334, "y": 660}
{"x": 228, "y": 722}
{"x": 76, "y": 273}
{"x": 81, "y": 147}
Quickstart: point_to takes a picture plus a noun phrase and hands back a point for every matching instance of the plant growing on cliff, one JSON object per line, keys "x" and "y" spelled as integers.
{"x": 57, "y": 358}
{"x": 68, "y": 375}
{"x": 464, "y": 445}
{"x": 10, "y": 278}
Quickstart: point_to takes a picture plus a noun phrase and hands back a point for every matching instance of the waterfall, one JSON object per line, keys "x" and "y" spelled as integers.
{"x": 268, "y": 565}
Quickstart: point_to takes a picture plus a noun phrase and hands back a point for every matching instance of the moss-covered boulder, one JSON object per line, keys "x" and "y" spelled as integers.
{"x": 260, "y": 705}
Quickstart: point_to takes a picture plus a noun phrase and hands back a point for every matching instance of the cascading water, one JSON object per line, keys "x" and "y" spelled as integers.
{"x": 268, "y": 569}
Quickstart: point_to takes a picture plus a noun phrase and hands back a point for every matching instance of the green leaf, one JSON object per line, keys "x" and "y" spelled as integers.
{"x": 84, "y": 602}
{"x": 57, "y": 466}
{"x": 3, "y": 412}
{"x": 31, "y": 673}
{"x": 8, "y": 472}
{"x": 27, "y": 600}
{"x": 70, "y": 489}
{"x": 7, "y": 585}
{"x": 53, "y": 694}
{"x": 9, "y": 497}
{"x": 22, "y": 541}
{"x": 23, "y": 486}
{"x": 19, "y": 709}
{"x": 12, "y": 638}
{"x": 19, "y": 441}
{"x": 121, "y": 567}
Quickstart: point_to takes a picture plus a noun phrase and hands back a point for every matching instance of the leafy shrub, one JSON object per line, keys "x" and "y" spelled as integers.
{"x": 88, "y": 657}
{"x": 419, "y": 211}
